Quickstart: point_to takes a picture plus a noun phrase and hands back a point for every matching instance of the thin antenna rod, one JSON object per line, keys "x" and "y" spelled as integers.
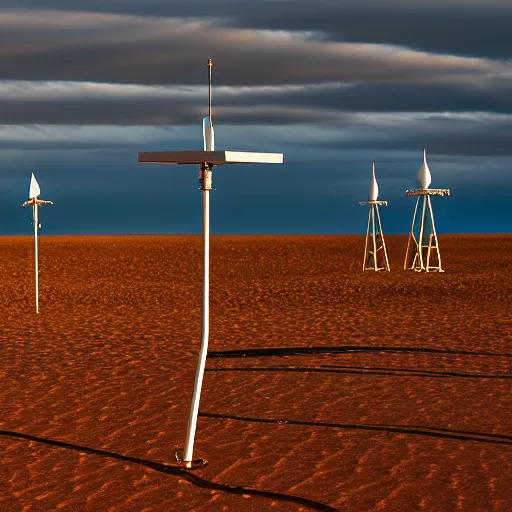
{"x": 210, "y": 65}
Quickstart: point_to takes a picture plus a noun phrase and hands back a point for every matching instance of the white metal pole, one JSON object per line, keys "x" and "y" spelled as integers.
{"x": 194, "y": 408}
{"x": 36, "y": 258}
{"x": 206, "y": 176}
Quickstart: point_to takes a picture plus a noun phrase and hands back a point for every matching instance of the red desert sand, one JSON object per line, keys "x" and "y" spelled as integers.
{"x": 326, "y": 388}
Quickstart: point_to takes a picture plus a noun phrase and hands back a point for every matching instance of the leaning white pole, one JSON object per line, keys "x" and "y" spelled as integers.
{"x": 205, "y": 322}
{"x": 207, "y": 159}
{"x": 36, "y": 258}
{"x": 205, "y": 176}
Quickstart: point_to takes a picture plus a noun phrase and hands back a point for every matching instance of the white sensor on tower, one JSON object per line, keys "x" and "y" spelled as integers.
{"x": 424, "y": 176}
{"x": 374, "y": 188}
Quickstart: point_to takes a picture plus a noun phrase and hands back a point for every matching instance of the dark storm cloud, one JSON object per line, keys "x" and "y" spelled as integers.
{"x": 50, "y": 45}
{"x": 359, "y": 134}
{"x": 149, "y": 113}
{"x": 98, "y": 111}
{"x": 75, "y": 104}
{"x": 332, "y": 84}
{"x": 463, "y": 27}
{"x": 329, "y": 78}
{"x": 325, "y": 83}
{"x": 44, "y": 145}
{"x": 382, "y": 97}
{"x": 442, "y": 135}
{"x": 158, "y": 111}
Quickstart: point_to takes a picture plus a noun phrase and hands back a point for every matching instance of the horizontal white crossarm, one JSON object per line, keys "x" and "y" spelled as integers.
{"x": 428, "y": 192}
{"x": 210, "y": 157}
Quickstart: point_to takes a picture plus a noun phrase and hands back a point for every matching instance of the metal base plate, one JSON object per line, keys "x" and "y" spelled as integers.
{"x": 194, "y": 464}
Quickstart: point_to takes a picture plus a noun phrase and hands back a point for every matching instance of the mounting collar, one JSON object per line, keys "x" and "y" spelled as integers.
{"x": 206, "y": 177}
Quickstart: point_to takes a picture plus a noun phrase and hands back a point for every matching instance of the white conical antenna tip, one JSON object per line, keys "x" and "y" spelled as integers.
{"x": 374, "y": 188}
{"x": 424, "y": 176}
{"x": 34, "y": 189}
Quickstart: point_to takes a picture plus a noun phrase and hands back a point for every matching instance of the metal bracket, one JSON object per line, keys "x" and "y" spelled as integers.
{"x": 206, "y": 177}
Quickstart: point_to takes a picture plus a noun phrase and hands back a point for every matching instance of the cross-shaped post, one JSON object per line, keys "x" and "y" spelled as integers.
{"x": 33, "y": 201}
{"x": 206, "y": 159}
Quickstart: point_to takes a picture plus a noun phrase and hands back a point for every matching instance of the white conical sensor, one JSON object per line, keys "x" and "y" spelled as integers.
{"x": 424, "y": 176}
{"x": 374, "y": 188}
{"x": 208, "y": 135}
{"x": 34, "y": 189}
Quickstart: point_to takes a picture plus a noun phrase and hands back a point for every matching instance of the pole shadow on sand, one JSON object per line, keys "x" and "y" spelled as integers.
{"x": 297, "y": 351}
{"x": 359, "y": 370}
{"x": 176, "y": 471}
{"x": 196, "y": 480}
{"x": 460, "y": 435}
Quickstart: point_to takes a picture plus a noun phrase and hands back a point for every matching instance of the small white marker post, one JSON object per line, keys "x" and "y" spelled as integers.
{"x": 206, "y": 160}
{"x": 375, "y": 253}
{"x": 33, "y": 201}
{"x": 420, "y": 255}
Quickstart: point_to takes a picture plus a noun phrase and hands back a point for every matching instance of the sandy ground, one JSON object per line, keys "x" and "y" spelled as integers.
{"x": 326, "y": 388}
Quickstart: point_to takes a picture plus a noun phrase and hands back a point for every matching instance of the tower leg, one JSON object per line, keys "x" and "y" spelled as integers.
{"x": 383, "y": 242}
{"x": 421, "y": 242}
{"x": 412, "y": 244}
{"x": 374, "y": 239}
{"x": 423, "y": 253}
{"x": 375, "y": 253}
{"x": 433, "y": 238}
{"x": 366, "y": 243}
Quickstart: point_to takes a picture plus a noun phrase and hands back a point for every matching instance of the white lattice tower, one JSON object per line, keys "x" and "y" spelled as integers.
{"x": 375, "y": 252}
{"x": 423, "y": 246}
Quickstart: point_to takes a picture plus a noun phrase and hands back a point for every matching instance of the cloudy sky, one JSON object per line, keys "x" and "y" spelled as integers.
{"x": 334, "y": 85}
